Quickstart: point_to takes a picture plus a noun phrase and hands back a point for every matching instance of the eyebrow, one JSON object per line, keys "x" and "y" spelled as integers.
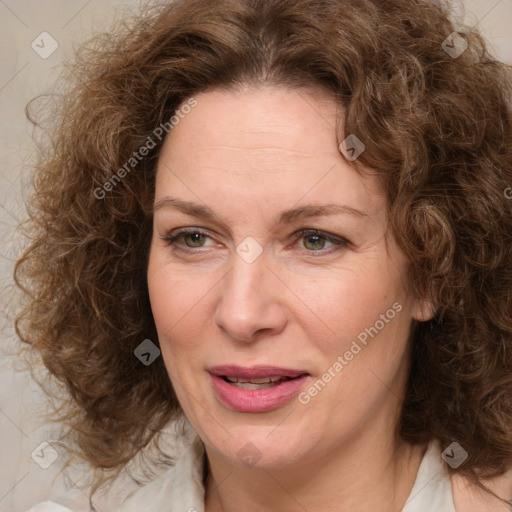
{"x": 284, "y": 217}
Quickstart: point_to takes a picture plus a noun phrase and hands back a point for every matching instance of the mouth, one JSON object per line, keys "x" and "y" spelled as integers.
{"x": 263, "y": 383}
{"x": 256, "y": 389}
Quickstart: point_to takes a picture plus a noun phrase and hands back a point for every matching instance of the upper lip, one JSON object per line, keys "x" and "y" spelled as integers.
{"x": 254, "y": 372}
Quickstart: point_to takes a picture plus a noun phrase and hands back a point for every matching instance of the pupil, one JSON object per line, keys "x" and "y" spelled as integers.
{"x": 316, "y": 239}
{"x": 196, "y": 239}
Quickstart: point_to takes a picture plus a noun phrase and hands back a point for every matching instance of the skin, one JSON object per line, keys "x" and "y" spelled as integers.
{"x": 248, "y": 155}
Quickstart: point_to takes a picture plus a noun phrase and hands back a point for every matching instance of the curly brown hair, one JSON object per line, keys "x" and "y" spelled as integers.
{"x": 437, "y": 129}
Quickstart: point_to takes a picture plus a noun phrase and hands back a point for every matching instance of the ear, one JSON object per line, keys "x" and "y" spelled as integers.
{"x": 423, "y": 310}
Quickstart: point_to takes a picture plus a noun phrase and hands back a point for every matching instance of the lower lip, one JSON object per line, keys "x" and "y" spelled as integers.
{"x": 256, "y": 400}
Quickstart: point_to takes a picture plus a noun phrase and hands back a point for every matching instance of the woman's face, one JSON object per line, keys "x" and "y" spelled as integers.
{"x": 269, "y": 260}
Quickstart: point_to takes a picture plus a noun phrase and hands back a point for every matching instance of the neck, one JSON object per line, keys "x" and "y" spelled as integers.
{"x": 360, "y": 475}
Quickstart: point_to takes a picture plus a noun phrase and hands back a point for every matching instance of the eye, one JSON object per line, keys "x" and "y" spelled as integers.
{"x": 193, "y": 238}
{"x": 314, "y": 240}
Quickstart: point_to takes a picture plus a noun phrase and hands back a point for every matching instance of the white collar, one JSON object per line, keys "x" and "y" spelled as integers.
{"x": 180, "y": 488}
{"x": 432, "y": 489}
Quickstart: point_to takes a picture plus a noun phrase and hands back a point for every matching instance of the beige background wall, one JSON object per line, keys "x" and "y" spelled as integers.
{"x": 23, "y": 74}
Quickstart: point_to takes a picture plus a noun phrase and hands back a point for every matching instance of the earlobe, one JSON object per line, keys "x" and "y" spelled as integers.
{"x": 424, "y": 310}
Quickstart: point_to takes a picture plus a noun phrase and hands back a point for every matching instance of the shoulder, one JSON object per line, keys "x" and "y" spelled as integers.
{"x": 178, "y": 488}
{"x": 468, "y": 497}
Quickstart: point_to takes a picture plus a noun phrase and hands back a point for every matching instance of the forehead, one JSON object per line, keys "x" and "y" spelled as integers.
{"x": 263, "y": 145}
{"x": 266, "y": 117}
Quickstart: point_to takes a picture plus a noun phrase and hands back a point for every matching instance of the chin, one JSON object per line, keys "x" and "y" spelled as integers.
{"x": 262, "y": 447}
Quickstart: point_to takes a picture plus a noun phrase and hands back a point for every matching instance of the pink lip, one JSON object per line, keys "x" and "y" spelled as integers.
{"x": 256, "y": 400}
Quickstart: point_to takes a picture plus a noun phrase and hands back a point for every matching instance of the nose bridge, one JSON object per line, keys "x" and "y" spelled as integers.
{"x": 248, "y": 301}
{"x": 246, "y": 281}
{"x": 245, "y": 285}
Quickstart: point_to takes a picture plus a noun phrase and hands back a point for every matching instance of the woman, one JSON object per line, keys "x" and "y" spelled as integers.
{"x": 286, "y": 221}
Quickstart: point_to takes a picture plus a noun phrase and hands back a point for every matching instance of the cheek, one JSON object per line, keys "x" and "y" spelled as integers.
{"x": 345, "y": 301}
{"x": 366, "y": 313}
{"x": 179, "y": 305}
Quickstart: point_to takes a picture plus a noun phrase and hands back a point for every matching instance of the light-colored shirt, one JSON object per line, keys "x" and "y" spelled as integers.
{"x": 181, "y": 488}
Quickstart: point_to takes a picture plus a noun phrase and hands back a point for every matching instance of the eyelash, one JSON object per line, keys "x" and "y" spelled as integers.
{"x": 337, "y": 241}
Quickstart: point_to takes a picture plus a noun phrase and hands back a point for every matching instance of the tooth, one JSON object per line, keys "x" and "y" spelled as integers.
{"x": 260, "y": 381}
{"x": 251, "y": 385}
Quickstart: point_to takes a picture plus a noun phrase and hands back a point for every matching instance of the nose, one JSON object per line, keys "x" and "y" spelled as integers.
{"x": 250, "y": 305}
